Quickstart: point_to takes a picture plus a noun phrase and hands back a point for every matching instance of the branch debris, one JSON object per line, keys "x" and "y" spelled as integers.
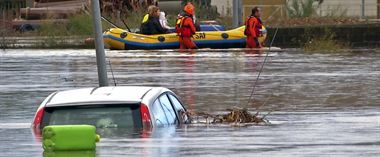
{"x": 236, "y": 116}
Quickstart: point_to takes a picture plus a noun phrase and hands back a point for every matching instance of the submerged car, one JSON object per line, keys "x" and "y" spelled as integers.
{"x": 112, "y": 107}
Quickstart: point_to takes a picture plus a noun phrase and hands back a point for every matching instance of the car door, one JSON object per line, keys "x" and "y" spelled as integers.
{"x": 168, "y": 109}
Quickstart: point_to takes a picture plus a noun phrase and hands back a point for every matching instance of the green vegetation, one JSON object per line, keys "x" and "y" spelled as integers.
{"x": 307, "y": 8}
{"x": 301, "y": 8}
{"x": 132, "y": 19}
{"x": 79, "y": 25}
{"x": 53, "y": 29}
{"x": 302, "y": 13}
{"x": 203, "y": 11}
{"x": 323, "y": 41}
{"x": 337, "y": 11}
{"x": 55, "y": 32}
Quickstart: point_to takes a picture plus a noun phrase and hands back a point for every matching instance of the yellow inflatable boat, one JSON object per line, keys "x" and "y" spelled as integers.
{"x": 119, "y": 39}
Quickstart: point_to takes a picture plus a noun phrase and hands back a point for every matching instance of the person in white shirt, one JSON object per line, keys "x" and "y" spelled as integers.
{"x": 164, "y": 21}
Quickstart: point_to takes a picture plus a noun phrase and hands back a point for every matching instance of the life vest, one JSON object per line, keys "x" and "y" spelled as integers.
{"x": 183, "y": 30}
{"x": 145, "y": 18}
{"x": 257, "y": 26}
{"x": 178, "y": 24}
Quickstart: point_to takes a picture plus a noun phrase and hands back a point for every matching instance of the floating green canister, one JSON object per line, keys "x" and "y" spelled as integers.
{"x": 69, "y": 137}
{"x": 78, "y": 153}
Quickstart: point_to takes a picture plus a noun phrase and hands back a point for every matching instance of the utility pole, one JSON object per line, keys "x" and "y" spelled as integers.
{"x": 363, "y": 9}
{"x": 99, "y": 45}
{"x": 240, "y": 12}
{"x": 236, "y": 13}
{"x": 378, "y": 9}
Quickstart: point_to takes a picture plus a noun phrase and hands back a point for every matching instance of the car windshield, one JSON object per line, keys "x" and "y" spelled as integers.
{"x": 101, "y": 116}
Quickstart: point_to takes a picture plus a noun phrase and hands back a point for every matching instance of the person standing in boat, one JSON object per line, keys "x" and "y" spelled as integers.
{"x": 253, "y": 26}
{"x": 185, "y": 28}
{"x": 152, "y": 25}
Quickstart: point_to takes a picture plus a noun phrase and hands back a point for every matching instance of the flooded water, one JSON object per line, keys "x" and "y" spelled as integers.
{"x": 320, "y": 104}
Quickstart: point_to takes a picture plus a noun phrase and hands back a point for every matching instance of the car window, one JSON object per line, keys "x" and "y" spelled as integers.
{"x": 159, "y": 114}
{"x": 169, "y": 111}
{"x": 177, "y": 105}
{"x": 181, "y": 112}
{"x": 100, "y": 116}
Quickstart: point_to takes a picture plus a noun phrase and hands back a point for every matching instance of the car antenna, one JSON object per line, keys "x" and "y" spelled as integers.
{"x": 113, "y": 77}
{"x": 261, "y": 69}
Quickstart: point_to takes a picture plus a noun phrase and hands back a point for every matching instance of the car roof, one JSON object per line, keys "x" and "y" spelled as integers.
{"x": 100, "y": 95}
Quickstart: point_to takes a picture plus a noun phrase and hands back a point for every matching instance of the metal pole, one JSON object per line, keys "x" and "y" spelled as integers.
{"x": 235, "y": 13}
{"x": 363, "y": 9}
{"x": 378, "y": 9}
{"x": 99, "y": 45}
{"x": 240, "y": 12}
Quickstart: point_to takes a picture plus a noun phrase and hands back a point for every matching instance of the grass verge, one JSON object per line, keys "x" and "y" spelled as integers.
{"x": 324, "y": 41}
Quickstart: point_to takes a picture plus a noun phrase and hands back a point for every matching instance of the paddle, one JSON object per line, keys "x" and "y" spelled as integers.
{"x": 126, "y": 26}
{"x": 111, "y": 23}
{"x": 129, "y": 30}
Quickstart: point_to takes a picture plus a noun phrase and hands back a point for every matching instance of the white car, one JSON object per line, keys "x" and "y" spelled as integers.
{"x": 112, "y": 107}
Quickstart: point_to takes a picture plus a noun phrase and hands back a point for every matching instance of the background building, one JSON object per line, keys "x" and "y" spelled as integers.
{"x": 278, "y": 8}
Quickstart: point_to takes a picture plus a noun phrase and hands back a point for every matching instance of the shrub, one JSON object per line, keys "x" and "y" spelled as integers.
{"x": 301, "y": 8}
{"x": 323, "y": 41}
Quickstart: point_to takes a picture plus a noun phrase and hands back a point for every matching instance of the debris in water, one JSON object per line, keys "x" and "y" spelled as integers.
{"x": 236, "y": 116}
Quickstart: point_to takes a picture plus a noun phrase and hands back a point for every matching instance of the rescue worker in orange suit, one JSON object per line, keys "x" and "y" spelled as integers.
{"x": 253, "y": 26}
{"x": 185, "y": 28}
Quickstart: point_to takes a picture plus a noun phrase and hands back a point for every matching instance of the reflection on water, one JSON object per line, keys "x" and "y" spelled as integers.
{"x": 324, "y": 104}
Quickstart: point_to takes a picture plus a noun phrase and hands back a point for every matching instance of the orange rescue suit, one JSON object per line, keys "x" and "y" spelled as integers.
{"x": 252, "y": 31}
{"x": 186, "y": 30}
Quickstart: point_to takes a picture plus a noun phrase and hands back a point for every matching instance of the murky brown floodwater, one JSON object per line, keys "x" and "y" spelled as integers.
{"x": 323, "y": 104}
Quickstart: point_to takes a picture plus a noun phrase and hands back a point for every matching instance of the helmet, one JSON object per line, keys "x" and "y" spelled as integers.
{"x": 189, "y": 8}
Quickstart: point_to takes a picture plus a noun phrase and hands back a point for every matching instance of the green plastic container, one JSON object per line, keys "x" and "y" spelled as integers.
{"x": 78, "y": 153}
{"x": 69, "y": 137}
